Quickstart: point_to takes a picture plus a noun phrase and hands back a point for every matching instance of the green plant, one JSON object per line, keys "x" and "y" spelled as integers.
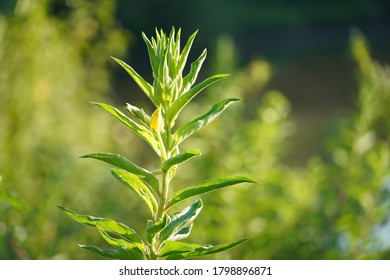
{"x": 170, "y": 93}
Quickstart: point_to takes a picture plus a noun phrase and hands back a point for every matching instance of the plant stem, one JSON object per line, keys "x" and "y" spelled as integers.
{"x": 164, "y": 195}
{"x": 166, "y": 176}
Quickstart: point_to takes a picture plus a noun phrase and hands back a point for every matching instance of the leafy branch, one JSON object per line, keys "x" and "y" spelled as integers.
{"x": 170, "y": 92}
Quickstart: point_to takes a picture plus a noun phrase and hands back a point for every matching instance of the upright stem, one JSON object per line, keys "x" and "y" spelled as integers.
{"x": 166, "y": 175}
{"x": 164, "y": 195}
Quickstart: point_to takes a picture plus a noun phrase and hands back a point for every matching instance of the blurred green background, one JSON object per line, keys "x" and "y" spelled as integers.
{"x": 314, "y": 126}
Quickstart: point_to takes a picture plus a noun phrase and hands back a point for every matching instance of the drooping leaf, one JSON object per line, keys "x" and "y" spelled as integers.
{"x": 139, "y": 114}
{"x": 141, "y": 130}
{"x": 179, "y": 221}
{"x": 207, "y": 186}
{"x": 202, "y": 250}
{"x": 196, "y": 124}
{"x": 106, "y": 225}
{"x": 174, "y": 248}
{"x": 133, "y": 182}
{"x": 190, "y": 79}
{"x": 144, "y": 85}
{"x": 179, "y": 158}
{"x": 124, "y": 163}
{"x": 119, "y": 253}
{"x": 186, "y": 97}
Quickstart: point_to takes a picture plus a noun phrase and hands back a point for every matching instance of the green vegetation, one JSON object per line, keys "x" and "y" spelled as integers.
{"x": 334, "y": 207}
{"x": 50, "y": 68}
{"x": 337, "y": 206}
{"x": 170, "y": 92}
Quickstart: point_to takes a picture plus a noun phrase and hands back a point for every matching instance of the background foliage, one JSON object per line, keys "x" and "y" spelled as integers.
{"x": 54, "y": 59}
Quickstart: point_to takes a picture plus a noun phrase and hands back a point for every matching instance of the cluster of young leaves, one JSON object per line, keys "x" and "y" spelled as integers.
{"x": 170, "y": 92}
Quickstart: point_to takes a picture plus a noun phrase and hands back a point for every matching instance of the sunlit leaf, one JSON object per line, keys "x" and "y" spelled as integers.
{"x": 181, "y": 234}
{"x": 174, "y": 248}
{"x": 106, "y": 225}
{"x": 154, "y": 228}
{"x": 186, "y": 97}
{"x": 152, "y": 54}
{"x": 190, "y": 79}
{"x": 124, "y": 163}
{"x": 120, "y": 253}
{"x": 141, "y": 130}
{"x": 207, "y": 186}
{"x": 185, "y": 52}
{"x": 180, "y": 220}
{"x": 133, "y": 182}
{"x": 202, "y": 250}
{"x": 117, "y": 242}
{"x": 139, "y": 114}
{"x": 144, "y": 85}
{"x": 179, "y": 158}
{"x": 196, "y": 124}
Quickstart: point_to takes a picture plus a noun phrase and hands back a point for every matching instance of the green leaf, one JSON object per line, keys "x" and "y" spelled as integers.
{"x": 152, "y": 55}
{"x": 155, "y": 228}
{"x": 139, "y": 114}
{"x": 141, "y": 130}
{"x": 124, "y": 163}
{"x": 179, "y": 158}
{"x": 117, "y": 242}
{"x": 185, "y": 52}
{"x": 202, "y": 250}
{"x": 144, "y": 85}
{"x": 179, "y": 221}
{"x": 106, "y": 225}
{"x": 120, "y": 253}
{"x": 196, "y": 124}
{"x": 181, "y": 234}
{"x": 133, "y": 182}
{"x": 174, "y": 248}
{"x": 207, "y": 186}
{"x": 186, "y": 97}
{"x": 190, "y": 79}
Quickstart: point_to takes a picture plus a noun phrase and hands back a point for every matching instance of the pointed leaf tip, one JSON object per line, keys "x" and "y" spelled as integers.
{"x": 207, "y": 186}
{"x": 202, "y": 250}
{"x": 196, "y": 124}
{"x": 179, "y": 158}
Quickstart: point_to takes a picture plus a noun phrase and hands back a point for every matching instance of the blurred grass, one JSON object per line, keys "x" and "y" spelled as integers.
{"x": 50, "y": 69}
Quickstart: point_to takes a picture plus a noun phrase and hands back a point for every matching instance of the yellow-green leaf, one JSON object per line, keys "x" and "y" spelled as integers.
{"x": 186, "y": 97}
{"x": 119, "y": 253}
{"x": 141, "y": 130}
{"x": 124, "y": 163}
{"x": 106, "y": 225}
{"x": 144, "y": 85}
{"x": 179, "y": 158}
{"x": 207, "y": 186}
{"x": 133, "y": 182}
{"x": 196, "y": 124}
{"x": 202, "y": 250}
